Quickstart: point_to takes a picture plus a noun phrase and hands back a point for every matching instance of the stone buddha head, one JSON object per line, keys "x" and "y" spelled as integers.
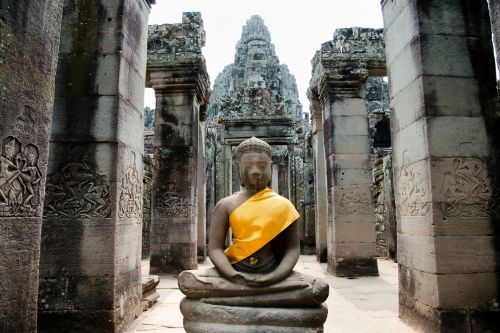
{"x": 254, "y": 162}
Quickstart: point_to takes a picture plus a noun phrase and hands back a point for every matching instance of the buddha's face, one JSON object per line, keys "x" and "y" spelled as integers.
{"x": 255, "y": 170}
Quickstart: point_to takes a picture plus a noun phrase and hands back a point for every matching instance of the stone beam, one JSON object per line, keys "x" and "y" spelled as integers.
{"x": 90, "y": 267}
{"x": 446, "y": 163}
{"x": 29, "y": 35}
{"x": 176, "y": 71}
{"x": 340, "y": 69}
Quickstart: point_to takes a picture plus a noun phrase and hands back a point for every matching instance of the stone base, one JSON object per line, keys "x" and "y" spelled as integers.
{"x": 353, "y": 267}
{"x": 201, "y": 317}
{"x": 453, "y": 321}
{"x": 77, "y": 321}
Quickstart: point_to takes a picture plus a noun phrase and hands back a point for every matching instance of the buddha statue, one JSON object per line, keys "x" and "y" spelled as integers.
{"x": 252, "y": 286}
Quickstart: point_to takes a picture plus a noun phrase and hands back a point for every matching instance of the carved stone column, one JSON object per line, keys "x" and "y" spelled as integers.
{"x": 339, "y": 71}
{"x": 29, "y": 42}
{"x": 320, "y": 186}
{"x": 201, "y": 186}
{"x": 177, "y": 73}
{"x": 446, "y": 163}
{"x": 91, "y": 236}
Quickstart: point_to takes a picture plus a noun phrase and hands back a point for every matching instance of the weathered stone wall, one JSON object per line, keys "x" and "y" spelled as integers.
{"x": 91, "y": 235}
{"x": 446, "y": 163}
{"x": 29, "y": 42}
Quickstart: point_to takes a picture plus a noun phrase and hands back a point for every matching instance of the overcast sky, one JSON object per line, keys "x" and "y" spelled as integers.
{"x": 298, "y": 28}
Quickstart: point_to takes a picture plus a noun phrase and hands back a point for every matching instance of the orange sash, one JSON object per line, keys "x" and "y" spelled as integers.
{"x": 257, "y": 221}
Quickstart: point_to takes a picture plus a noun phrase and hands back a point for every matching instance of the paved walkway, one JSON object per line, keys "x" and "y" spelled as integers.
{"x": 362, "y": 305}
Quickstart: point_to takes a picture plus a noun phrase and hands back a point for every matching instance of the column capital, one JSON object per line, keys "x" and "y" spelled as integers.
{"x": 175, "y": 60}
{"x": 346, "y": 61}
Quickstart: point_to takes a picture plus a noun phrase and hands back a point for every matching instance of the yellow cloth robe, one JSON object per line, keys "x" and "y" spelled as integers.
{"x": 257, "y": 221}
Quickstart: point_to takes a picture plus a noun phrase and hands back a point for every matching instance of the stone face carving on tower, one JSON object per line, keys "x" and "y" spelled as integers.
{"x": 340, "y": 69}
{"x": 255, "y": 86}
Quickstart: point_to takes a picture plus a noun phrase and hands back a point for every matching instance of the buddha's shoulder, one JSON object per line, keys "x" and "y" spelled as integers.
{"x": 230, "y": 202}
{"x": 281, "y": 199}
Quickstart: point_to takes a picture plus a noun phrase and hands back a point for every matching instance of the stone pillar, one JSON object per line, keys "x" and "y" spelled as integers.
{"x": 177, "y": 73}
{"x": 202, "y": 208}
{"x": 340, "y": 69}
{"x": 91, "y": 236}
{"x": 320, "y": 191}
{"x": 446, "y": 163}
{"x": 29, "y": 35}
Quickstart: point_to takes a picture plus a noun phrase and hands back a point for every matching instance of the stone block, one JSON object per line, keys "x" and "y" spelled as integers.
{"x": 393, "y": 9}
{"x": 411, "y": 144}
{"x": 346, "y": 177}
{"x": 354, "y": 232}
{"x": 465, "y": 254}
{"x": 457, "y": 137}
{"x": 400, "y": 29}
{"x": 467, "y": 291}
{"x": 404, "y": 68}
{"x": 131, "y": 84}
{"x": 351, "y": 161}
{"x": 350, "y": 144}
{"x": 350, "y": 125}
{"x": 127, "y": 248}
{"x": 418, "y": 288}
{"x": 353, "y": 250}
{"x": 85, "y": 248}
{"x": 353, "y": 200}
{"x": 417, "y": 252}
{"x": 347, "y": 107}
{"x": 353, "y": 267}
{"x": 248, "y": 319}
{"x": 435, "y": 96}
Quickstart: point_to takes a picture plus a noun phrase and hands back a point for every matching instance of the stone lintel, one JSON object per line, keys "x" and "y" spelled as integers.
{"x": 181, "y": 78}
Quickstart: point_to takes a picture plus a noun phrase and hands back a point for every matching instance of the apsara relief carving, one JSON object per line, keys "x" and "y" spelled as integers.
{"x": 77, "y": 189}
{"x": 130, "y": 204}
{"x": 20, "y": 179}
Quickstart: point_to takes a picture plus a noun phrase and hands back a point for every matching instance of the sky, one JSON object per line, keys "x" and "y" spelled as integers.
{"x": 298, "y": 28}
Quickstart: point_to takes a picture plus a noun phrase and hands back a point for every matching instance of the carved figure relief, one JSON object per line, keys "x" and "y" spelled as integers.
{"x": 354, "y": 201}
{"x": 411, "y": 192}
{"x": 77, "y": 190}
{"x": 171, "y": 203}
{"x": 130, "y": 204}
{"x": 468, "y": 190}
{"x": 20, "y": 179}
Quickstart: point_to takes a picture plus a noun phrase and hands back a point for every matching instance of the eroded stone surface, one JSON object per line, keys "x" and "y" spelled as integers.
{"x": 29, "y": 35}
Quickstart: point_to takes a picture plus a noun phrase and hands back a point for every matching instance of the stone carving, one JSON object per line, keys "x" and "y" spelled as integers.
{"x": 356, "y": 40}
{"x": 77, "y": 190}
{"x": 169, "y": 42}
{"x": 171, "y": 203}
{"x": 355, "y": 202}
{"x": 411, "y": 192}
{"x": 468, "y": 190}
{"x": 130, "y": 204}
{"x": 256, "y": 86}
{"x": 20, "y": 179}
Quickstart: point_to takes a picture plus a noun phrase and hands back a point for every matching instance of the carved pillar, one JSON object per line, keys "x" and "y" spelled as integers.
{"x": 210, "y": 176}
{"x": 446, "y": 163}
{"x": 146, "y": 205}
{"x": 91, "y": 236}
{"x": 320, "y": 186}
{"x": 180, "y": 80}
{"x": 340, "y": 69}
{"x": 29, "y": 35}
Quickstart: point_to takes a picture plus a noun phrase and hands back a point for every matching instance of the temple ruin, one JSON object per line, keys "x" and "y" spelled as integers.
{"x": 397, "y": 157}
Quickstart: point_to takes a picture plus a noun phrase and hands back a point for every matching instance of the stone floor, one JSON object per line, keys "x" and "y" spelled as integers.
{"x": 363, "y": 305}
